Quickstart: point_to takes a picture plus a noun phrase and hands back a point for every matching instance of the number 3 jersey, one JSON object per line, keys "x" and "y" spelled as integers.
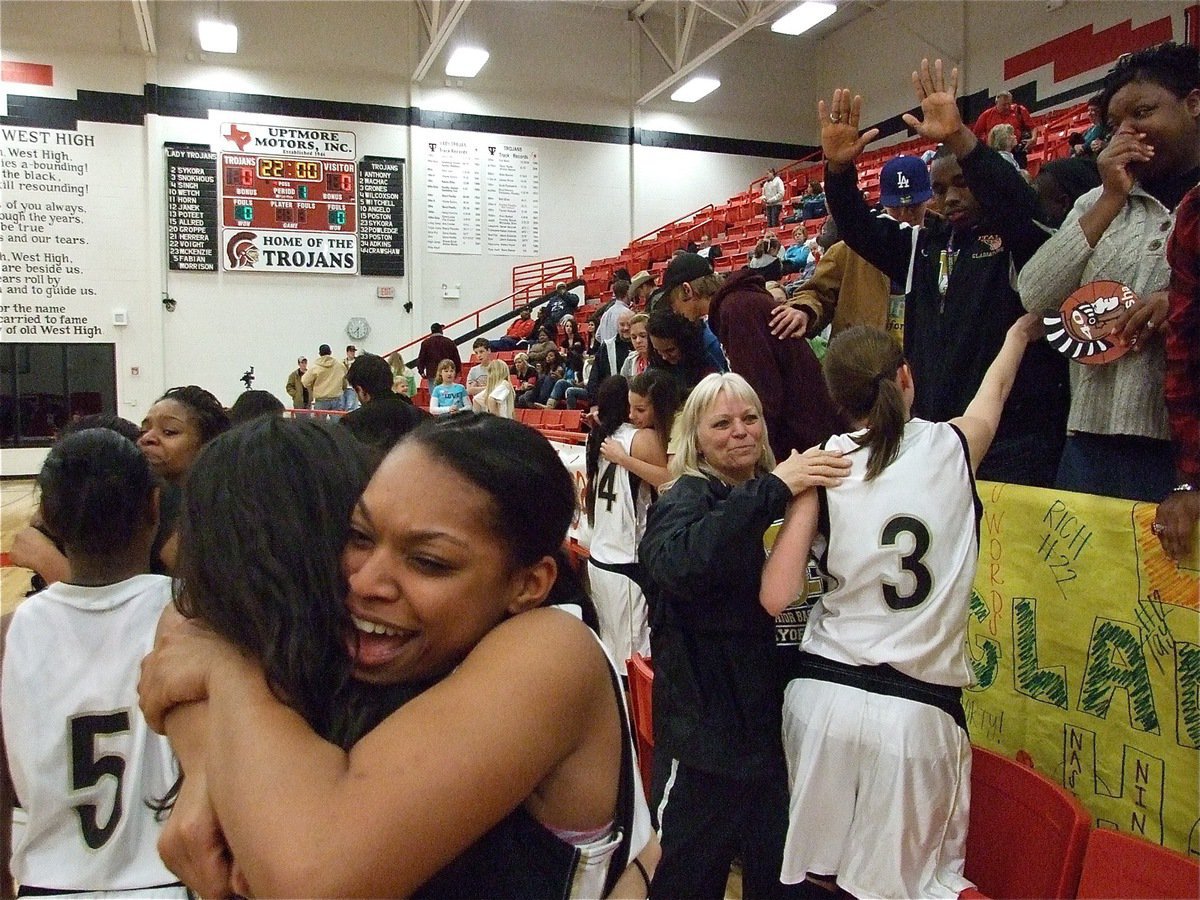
{"x": 900, "y": 553}
{"x": 82, "y": 758}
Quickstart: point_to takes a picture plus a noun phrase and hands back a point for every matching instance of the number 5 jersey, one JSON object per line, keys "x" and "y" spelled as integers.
{"x": 83, "y": 760}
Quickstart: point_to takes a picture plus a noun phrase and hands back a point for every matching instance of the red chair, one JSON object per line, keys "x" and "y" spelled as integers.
{"x": 641, "y": 689}
{"x": 1120, "y": 865}
{"x": 552, "y": 418}
{"x": 572, "y": 420}
{"x": 533, "y": 417}
{"x": 1027, "y": 834}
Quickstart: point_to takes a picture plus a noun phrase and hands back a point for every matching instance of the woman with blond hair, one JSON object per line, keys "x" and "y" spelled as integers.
{"x": 720, "y": 780}
{"x": 1003, "y": 138}
{"x": 498, "y": 396}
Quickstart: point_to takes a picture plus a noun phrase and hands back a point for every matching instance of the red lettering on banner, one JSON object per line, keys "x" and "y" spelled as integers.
{"x": 1082, "y": 50}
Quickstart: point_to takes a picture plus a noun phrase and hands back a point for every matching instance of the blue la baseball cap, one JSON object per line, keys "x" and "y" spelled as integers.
{"x": 904, "y": 181}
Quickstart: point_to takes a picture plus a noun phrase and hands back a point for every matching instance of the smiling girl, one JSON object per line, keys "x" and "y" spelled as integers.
{"x": 509, "y": 773}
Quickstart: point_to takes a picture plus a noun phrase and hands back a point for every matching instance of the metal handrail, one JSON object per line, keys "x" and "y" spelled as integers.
{"x": 675, "y": 221}
{"x": 519, "y": 297}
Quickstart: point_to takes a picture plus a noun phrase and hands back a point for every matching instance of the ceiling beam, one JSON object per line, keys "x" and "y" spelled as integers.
{"x": 438, "y": 39}
{"x": 718, "y": 13}
{"x": 641, "y": 9}
{"x": 145, "y": 26}
{"x": 657, "y": 46}
{"x": 764, "y": 13}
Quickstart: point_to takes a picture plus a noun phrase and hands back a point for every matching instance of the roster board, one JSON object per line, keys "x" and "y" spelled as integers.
{"x": 513, "y": 200}
{"x": 191, "y": 208}
{"x": 454, "y": 197}
{"x": 381, "y": 215}
{"x": 288, "y": 199}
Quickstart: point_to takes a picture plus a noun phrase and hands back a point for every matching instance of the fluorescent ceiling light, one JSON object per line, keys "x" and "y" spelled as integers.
{"x": 803, "y": 17}
{"x": 465, "y": 62}
{"x": 693, "y": 90}
{"x": 218, "y": 37}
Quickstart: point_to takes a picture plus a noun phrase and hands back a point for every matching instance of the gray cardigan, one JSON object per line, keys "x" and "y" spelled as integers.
{"x": 1126, "y": 395}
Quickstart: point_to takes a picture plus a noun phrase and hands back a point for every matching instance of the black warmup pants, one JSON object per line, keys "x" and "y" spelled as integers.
{"x": 710, "y": 820}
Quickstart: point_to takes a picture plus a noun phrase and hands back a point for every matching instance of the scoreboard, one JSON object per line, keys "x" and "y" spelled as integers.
{"x": 288, "y": 199}
{"x": 283, "y": 199}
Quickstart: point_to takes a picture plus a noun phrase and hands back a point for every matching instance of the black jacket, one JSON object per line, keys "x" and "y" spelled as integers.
{"x": 600, "y": 366}
{"x": 718, "y": 693}
{"x": 950, "y": 341}
{"x": 382, "y": 421}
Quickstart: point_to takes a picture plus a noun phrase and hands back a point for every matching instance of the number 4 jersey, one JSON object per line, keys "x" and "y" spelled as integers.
{"x": 82, "y": 758}
{"x": 900, "y": 553}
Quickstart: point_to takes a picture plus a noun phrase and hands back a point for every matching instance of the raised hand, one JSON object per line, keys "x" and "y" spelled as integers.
{"x": 939, "y": 107}
{"x": 840, "y": 140}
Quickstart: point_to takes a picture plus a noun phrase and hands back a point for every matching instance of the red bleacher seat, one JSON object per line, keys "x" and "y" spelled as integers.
{"x": 1027, "y": 835}
{"x": 1121, "y": 865}
{"x": 641, "y": 691}
{"x": 572, "y": 420}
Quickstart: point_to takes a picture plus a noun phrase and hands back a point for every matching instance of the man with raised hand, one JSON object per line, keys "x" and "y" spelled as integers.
{"x": 958, "y": 275}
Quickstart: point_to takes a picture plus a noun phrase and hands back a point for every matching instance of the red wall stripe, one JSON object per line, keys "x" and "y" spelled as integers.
{"x": 1082, "y": 50}
{"x": 27, "y": 73}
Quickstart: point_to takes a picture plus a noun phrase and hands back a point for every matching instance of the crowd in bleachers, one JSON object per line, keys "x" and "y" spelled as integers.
{"x": 377, "y": 668}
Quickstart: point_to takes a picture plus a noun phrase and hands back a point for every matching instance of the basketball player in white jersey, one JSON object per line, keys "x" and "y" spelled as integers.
{"x": 617, "y": 501}
{"x": 878, "y": 755}
{"x": 82, "y": 760}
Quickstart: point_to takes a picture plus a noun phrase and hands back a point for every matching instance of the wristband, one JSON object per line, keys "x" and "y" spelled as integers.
{"x": 1186, "y": 488}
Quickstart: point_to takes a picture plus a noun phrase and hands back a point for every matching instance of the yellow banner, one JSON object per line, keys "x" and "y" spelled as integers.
{"x": 1085, "y": 639}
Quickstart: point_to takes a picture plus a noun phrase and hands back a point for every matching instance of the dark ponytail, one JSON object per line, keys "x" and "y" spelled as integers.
{"x": 860, "y": 370}
{"x": 612, "y": 404}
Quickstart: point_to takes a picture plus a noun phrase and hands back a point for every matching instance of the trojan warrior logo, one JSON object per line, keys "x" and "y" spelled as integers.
{"x": 241, "y": 250}
{"x": 1083, "y": 328}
